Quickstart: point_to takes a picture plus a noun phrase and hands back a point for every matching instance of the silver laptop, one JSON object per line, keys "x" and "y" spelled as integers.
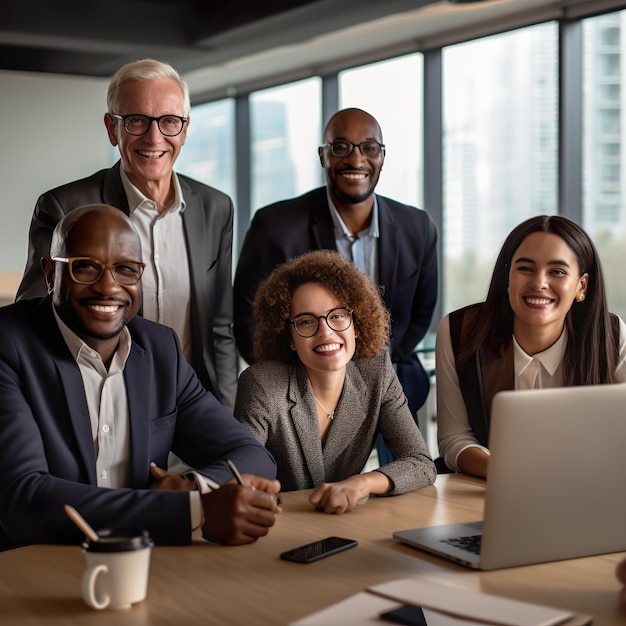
{"x": 555, "y": 483}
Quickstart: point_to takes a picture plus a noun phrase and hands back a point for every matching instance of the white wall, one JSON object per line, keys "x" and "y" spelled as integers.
{"x": 51, "y": 132}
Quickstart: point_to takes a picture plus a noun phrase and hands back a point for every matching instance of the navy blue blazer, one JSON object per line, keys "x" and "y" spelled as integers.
{"x": 407, "y": 263}
{"x": 47, "y": 456}
{"x": 208, "y": 226}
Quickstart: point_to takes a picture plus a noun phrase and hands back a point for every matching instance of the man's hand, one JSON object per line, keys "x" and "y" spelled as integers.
{"x": 166, "y": 481}
{"x": 262, "y": 484}
{"x": 238, "y": 514}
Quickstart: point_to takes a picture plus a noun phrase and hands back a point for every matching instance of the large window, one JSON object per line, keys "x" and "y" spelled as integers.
{"x": 500, "y": 146}
{"x": 392, "y": 92}
{"x": 209, "y": 151}
{"x": 500, "y": 143}
{"x": 604, "y": 128}
{"x": 285, "y": 127}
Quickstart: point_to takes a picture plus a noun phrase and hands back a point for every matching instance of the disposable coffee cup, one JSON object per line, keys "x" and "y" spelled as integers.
{"x": 118, "y": 566}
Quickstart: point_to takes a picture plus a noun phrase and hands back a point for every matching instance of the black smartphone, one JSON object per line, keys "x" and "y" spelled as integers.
{"x": 318, "y": 549}
{"x": 407, "y": 615}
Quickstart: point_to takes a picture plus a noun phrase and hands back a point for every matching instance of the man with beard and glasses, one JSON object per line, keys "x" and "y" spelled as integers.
{"x": 93, "y": 398}
{"x": 394, "y": 244}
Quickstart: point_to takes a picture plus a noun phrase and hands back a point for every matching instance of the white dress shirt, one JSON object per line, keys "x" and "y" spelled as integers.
{"x": 361, "y": 249}
{"x": 107, "y": 402}
{"x": 105, "y": 392}
{"x": 542, "y": 370}
{"x": 165, "y": 282}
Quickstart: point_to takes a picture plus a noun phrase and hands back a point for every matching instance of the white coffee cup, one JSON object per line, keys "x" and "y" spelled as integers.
{"x": 117, "y": 568}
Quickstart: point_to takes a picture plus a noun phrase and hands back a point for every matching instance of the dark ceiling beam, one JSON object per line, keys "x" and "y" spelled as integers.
{"x": 96, "y": 26}
{"x": 96, "y": 37}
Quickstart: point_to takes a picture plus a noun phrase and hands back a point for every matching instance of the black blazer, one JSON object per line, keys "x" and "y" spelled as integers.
{"x": 47, "y": 456}
{"x": 407, "y": 261}
{"x": 208, "y": 225}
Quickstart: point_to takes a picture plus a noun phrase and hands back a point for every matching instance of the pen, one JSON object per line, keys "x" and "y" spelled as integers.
{"x": 239, "y": 479}
{"x": 235, "y": 471}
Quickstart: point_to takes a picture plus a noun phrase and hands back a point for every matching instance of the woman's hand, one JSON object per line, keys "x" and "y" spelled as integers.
{"x": 343, "y": 496}
{"x": 473, "y": 461}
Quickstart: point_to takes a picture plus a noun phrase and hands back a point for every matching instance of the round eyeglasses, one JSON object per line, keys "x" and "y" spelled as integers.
{"x": 137, "y": 125}
{"x": 342, "y": 148}
{"x": 87, "y": 271}
{"x": 307, "y": 324}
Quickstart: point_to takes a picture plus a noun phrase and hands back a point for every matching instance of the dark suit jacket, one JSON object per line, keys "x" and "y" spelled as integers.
{"x": 407, "y": 262}
{"x": 208, "y": 224}
{"x": 275, "y": 403}
{"x": 47, "y": 456}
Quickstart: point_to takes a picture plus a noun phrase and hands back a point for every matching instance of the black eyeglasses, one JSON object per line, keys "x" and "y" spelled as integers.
{"x": 137, "y": 125}
{"x": 342, "y": 148}
{"x": 87, "y": 271}
{"x": 307, "y": 324}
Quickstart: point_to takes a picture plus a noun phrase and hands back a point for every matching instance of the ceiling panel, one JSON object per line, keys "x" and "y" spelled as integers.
{"x": 95, "y": 37}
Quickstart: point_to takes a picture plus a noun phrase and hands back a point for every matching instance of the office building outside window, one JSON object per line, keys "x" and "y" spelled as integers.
{"x": 500, "y": 143}
{"x": 209, "y": 151}
{"x": 285, "y": 127}
{"x": 392, "y": 92}
{"x": 604, "y": 168}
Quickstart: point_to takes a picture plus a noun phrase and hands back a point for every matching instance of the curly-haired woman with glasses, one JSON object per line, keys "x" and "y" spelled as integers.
{"x": 324, "y": 387}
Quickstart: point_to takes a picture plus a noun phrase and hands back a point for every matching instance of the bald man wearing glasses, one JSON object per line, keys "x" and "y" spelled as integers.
{"x": 93, "y": 398}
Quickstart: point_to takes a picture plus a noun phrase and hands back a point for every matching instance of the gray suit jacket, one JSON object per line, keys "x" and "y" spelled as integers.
{"x": 208, "y": 225}
{"x": 275, "y": 403}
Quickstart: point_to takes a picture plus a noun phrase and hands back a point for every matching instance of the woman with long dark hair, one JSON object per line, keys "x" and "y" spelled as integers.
{"x": 545, "y": 323}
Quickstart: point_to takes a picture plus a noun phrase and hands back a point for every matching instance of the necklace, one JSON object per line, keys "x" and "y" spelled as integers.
{"x": 329, "y": 414}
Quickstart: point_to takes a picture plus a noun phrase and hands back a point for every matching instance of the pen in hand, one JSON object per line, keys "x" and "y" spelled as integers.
{"x": 235, "y": 472}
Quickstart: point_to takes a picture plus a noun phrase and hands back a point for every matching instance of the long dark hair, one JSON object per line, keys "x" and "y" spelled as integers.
{"x": 591, "y": 354}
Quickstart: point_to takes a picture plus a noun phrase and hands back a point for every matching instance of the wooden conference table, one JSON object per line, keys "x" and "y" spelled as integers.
{"x": 210, "y": 584}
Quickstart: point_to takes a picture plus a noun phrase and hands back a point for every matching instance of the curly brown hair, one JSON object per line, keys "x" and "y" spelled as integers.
{"x": 353, "y": 289}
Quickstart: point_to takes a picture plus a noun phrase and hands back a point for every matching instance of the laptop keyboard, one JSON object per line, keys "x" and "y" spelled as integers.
{"x": 471, "y": 543}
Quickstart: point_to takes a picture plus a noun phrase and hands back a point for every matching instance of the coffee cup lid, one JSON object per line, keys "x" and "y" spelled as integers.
{"x": 119, "y": 540}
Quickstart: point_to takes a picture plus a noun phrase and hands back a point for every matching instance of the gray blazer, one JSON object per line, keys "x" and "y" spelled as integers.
{"x": 275, "y": 403}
